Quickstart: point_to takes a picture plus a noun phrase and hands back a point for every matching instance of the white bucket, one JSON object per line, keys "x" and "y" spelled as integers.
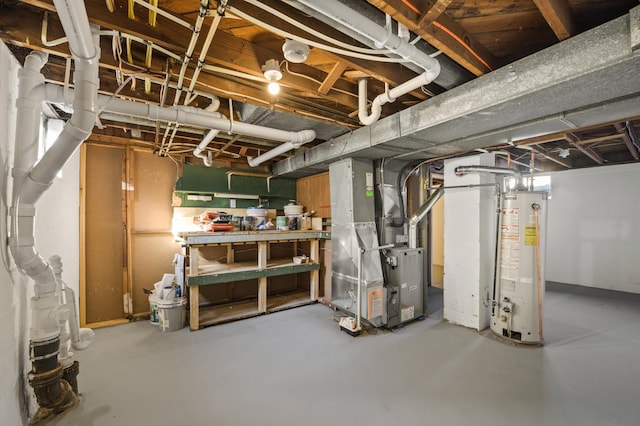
{"x": 153, "y": 309}
{"x": 172, "y": 314}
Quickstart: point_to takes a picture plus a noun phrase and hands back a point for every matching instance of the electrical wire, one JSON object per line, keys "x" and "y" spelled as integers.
{"x": 318, "y": 34}
{"x": 450, "y": 33}
{"x": 286, "y": 67}
{"x": 336, "y": 50}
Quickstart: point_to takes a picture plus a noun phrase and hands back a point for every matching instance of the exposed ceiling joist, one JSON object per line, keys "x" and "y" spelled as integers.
{"x": 432, "y": 10}
{"x": 622, "y": 129}
{"x": 546, "y": 155}
{"x": 444, "y": 34}
{"x": 589, "y": 152}
{"x": 558, "y": 15}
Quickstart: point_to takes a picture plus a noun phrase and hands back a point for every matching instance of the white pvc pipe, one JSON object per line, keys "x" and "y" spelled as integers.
{"x": 81, "y": 338}
{"x": 203, "y": 145}
{"x": 75, "y": 22}
{"x": 279, "y": 150}
{"x": 344, "y": 15}
{"x": 386, "y": 97}
{"x": 364, "y": 26}
{"x": 190, "y": 116}
{"x": 31, "y": 182}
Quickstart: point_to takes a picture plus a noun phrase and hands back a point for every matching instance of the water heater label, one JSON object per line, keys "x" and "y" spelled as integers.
{"x": 530, "y": 236}
{"x": 510, "y": 223}
{"x": 510, "y": 245}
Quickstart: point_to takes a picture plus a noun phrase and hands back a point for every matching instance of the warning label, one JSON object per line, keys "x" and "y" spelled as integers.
{"x": 530, "y": 236}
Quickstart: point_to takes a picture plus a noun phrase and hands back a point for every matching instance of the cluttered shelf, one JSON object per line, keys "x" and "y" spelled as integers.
{"x": 209, "y": 238}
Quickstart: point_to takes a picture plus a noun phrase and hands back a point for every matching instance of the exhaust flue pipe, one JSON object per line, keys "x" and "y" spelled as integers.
{"x": 420, "y": 214}
{"x": 463, "y": 170}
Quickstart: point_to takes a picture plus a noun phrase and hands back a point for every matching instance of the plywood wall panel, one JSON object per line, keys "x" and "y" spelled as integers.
{"x": 313, "y": 193}
{"x": 104, "y": 237}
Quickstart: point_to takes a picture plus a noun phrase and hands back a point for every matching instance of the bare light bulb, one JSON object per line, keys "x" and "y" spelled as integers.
{"x": 273, "y": 88}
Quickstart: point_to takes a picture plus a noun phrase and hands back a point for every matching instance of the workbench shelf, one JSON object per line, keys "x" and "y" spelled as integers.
{"x": 262, "y": 267}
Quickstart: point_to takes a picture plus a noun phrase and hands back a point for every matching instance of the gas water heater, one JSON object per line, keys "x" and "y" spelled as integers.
{"x": 516, "y": 311}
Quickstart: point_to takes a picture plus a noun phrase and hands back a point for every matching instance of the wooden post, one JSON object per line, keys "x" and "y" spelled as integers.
{"x": 194, "y": 291}
{"x": 194, "y": 308}
{"x": 314, "y": 280}
{"x": 262, "y": 282}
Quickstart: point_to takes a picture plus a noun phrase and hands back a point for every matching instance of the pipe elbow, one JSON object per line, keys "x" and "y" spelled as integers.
{"x": 433, "y": 72}
{"x": 366, "y": 118}
{"x": 35, "y": 61}
{"x": 215, "y": 104}
{"x": 461, "y": 171}
{"x": 302, "y": 137}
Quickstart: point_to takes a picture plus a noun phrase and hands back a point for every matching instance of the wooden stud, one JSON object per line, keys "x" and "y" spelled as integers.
{"x": 314, "y": 280}
{"x": 332, "y": 77}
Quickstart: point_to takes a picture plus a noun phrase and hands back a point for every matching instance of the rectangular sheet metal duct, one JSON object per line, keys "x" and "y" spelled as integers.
{"x": 588, "y": 79}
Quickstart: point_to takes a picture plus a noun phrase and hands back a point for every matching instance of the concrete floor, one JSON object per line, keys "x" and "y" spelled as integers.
{"x": 296, "y": 368}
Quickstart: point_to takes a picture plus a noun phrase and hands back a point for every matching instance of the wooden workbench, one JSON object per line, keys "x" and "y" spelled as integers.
{"x": 203, "y": 273}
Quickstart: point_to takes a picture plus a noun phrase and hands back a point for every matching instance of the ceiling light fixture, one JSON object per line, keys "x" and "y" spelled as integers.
{"x": 273, "y": 74}
{"x": 295, "y": 51}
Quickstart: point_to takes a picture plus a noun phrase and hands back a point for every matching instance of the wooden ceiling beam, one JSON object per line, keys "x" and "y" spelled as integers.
{"x": 226, "y": 50}
{"x": 432, "y": 11}
{"x": 622, "y": 129}
{"x": 549, "y": 157}
{"x": 27, "y": 34}
{"x": 393, "y": 74}
{"x": 558, "y": 15}
{"x": 444, "y": 34}
{"x": 589, "y": 152}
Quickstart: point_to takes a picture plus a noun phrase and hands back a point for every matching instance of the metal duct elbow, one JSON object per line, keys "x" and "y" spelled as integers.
{"x": 420, "y": 214}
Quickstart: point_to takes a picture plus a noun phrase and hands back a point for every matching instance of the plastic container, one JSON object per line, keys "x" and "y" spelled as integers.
{"x": 293, "y": 209}
{"x": 153, "y": 309}
{"x": 282, "y": 223}
{"x": 172, "y": 314}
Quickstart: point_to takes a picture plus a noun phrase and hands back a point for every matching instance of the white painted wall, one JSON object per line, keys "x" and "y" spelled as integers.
{"x": 594, "y": 227}
{"x": 469, "y": 238}
{"x": 57, "y": 232}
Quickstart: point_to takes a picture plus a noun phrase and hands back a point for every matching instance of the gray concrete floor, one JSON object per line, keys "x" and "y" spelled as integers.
{"x": 296, "y": 368}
